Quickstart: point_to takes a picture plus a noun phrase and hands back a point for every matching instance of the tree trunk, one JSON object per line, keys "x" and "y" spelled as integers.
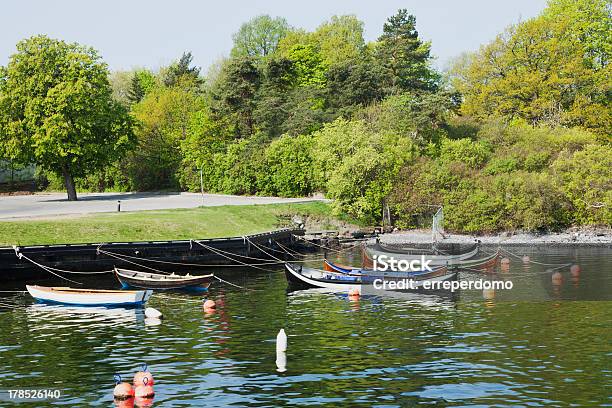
{"x": 70, "y": 187}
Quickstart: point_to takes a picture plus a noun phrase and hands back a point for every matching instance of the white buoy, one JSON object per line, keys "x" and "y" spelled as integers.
{"x": 152, "y": 313}
{"x": 281, "y": 341}
{"x": 281, "y": 361}
{"x": 152, "y": 321}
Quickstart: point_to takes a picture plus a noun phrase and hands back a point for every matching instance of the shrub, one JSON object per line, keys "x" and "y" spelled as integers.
{"x": 585, "y": 177}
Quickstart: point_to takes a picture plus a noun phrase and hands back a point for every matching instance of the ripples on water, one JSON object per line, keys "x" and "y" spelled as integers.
{"x": 539, "y": 344}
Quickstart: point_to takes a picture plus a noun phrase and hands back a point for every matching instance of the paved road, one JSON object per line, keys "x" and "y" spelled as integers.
{"x": 55, "y": 204}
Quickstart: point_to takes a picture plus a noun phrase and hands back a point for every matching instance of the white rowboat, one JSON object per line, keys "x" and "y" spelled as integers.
{"x": 89, "y": 297}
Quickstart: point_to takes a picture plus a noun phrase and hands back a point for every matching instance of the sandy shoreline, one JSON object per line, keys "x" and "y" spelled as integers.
{"x": 600, "y": 237}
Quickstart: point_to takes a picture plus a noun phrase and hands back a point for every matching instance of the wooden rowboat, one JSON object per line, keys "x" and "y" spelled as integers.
{"x": 303, "y": 277}
{"x": 370, "y": 251}
{"x": 148, "y": 280}
{"x": 371, "y": 274}
{"x": 89, "y": 297}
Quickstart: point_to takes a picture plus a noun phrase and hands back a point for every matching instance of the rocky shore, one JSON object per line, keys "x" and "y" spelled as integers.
{"x": 574, "y": 236}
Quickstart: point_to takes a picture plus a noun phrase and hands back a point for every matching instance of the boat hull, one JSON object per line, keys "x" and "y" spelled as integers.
{"x": 146, "y": 280}
{"x": 78, "y": 297}
{"x": 300, "y": 277}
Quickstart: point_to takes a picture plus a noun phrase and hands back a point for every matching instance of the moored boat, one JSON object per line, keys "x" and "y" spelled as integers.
{"x": 89, "y": 297}
{"x": 301, "y": 276}
{"x": 434, "y": 257}
{"x": 371, "y": 274}
{"x": 148, "y": 280}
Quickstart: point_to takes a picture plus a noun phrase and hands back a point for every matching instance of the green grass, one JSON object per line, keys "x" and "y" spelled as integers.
{"x": 203, "y": 222}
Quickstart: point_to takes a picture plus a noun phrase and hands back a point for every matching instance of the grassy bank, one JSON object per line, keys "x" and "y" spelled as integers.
{"x": 204, "y": 222}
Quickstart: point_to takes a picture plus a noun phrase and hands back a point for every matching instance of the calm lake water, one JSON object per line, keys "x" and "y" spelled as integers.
{"x": 537, "y": 345}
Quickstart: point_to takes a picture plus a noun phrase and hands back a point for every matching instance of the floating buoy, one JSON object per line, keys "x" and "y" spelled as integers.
{"x": 152, "y": 321}
{"x": 505, "y": 261}
{"x": 153, "y": 313}
{"x": 281, "y": 341}
{"x": 210, "y": 304}
{"x": 526, "y": 259}
{"x": 281, "y": 361}
{"x": 143, "y": 402}
{"x": 557, "y": 278}
{"x": 354, "y": 293}
{"x": 141, "y": 375}
{"x": 488, "y": 294}
{"x": 127, "y": 403}
{"x": 122, "y": 390}
{"x": 145, "y": 390}
{"x": 575, "y": 270}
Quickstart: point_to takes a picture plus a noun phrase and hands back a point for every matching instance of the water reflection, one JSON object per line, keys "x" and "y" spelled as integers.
{"x": 48, "y": 316}
{"x": 527, "y": 346}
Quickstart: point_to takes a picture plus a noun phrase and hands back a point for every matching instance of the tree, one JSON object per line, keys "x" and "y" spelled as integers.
{"x": 353, "y": 83}
{"x": 340, "y": 39}
{"x": 551, "y": 69}
{"x": 142, "y": 82}
{"x": 57, "y": 110}
{"x": 182, "y": 70}
{"x": 164, "y": 116}
{"x": 403, "y": 54}
{"x": 259, "y": 37}
{"x": 235, "y": 91}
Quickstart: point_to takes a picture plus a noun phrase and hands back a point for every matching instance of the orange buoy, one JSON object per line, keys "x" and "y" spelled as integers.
{"x": 143, "y": 402}
{"x": 141, "y": 375}
{"x": 557, "y": 278}
{"x": 575, "y": 270}
{"x": 122, "y": 390}
{"x": 354, "y": 293}
{"x": 210, "y": 304}
{"x": 128, "y": 403}
{"x": 526, "y": 259}
{"x": 488, "y": 294}
{"x": 145, "y": 390}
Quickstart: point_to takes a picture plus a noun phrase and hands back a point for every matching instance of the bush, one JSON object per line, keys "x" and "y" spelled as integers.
{"x": 473, "y": 154}
{"x": 288, "y": 168}
{"x": 585, "y": 177}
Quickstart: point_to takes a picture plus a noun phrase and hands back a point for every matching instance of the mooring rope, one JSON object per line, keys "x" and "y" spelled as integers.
{"x": 131, "y": 262}
{"x": 218, "y": 252}
{"x": 22, "y": 256}
{"x": 284, "y": 251}
{"x": 266, "y": 261}
{"x": 291, "y": 252}
{"x": 229, "y": 283}
{"x": 317, "y": 245}
{"x": 17, "y": 252}
{"x": 263, "y": 250}
{"x": 183, "y": 263}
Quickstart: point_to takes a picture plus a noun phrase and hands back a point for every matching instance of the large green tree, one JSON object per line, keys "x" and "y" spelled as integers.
{"x": 551, "y": 69}
{"x": 57, "y": 110}
{"x": 259, "y": 36}
{"x": 404, "y": 55}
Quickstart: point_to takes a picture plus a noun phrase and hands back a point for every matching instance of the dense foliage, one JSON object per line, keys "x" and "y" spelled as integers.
{"x": 56, "y": 110}
{"x": 514, "y": 136}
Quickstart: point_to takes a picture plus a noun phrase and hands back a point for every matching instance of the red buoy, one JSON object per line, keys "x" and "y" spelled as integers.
{"x": 140, "y": 375}
{"x": 122, "y": 390}
{"x": 210, "y": 304}
{"x": 575, "y": 270}
{"x": 145, "y": 390}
